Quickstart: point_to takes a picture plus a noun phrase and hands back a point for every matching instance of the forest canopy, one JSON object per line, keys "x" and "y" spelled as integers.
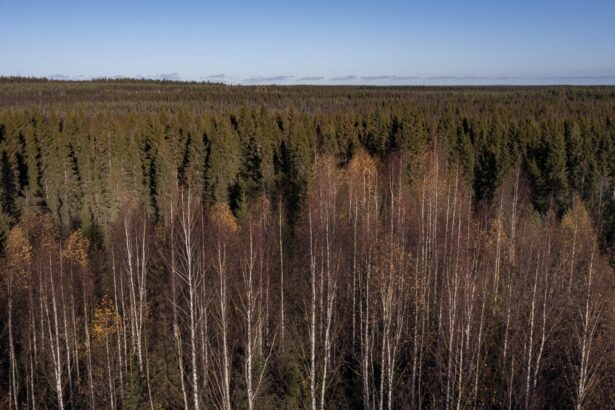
{"x": 172, "y": 244}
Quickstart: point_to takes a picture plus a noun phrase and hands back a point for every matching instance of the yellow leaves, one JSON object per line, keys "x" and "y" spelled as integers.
{"x": 76, "y": 249}
{"x": 576, "y": 226}
{"x": 106, "y": 319}
{"x": 18, "y": 248}
{"x": 223, "y": 219}
{"x": 18, "y": 257}
{"x": 361, "y": 166}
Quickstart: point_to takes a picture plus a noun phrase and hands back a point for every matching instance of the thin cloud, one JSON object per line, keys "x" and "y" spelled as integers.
{"x": 456, "y": 77}
{"x": 382, "y": 79}
{"x": 268, "y": 80}
{"x": 377, "y": 77}
{"x": 388, "y": 78}
{"x": 313, "y": 78}
{"x": 345, "y": 78}
{"x": 520, "y": 79}
{"x": 578, "y": 77}
{"x": 407, "y": 77}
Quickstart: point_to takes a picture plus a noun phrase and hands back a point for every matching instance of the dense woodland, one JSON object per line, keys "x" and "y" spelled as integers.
{"x": 190, "y": 245}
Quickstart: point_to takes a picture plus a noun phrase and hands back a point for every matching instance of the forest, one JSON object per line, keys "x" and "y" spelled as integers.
{"x": 168, "y": 245}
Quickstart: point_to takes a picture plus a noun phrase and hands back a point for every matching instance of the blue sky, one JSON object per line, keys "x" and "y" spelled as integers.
{"x": 313, "y": 42}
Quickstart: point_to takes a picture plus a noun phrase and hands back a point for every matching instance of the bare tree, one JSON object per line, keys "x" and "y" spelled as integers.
{"x": 189, "y": 273}
{"x": 224, "y": 230}
{"x": 253, "y": 300}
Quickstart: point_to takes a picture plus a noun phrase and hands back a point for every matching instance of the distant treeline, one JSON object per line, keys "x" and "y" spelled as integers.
{"x": 80, "y": 150}
{"x": 193, "y": 245}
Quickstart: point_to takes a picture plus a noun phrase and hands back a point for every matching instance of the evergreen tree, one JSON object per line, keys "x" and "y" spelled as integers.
{"x": 222, "y": 162}
{"x": 8, "y": 187}
{"x": 464, "y": 152}
{"x": 575, "y": 157}
{"x": 555, "y": 167}
{"x": 492, "y": 162}
{"x": 296, "y": 159}
{"x": 377, "y": 134}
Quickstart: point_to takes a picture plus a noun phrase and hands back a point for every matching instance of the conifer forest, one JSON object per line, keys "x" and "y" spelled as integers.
{"x": 191, "y": 245}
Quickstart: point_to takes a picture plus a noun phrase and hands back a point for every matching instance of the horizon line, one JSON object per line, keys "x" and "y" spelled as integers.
{"x": 350, "y": 80}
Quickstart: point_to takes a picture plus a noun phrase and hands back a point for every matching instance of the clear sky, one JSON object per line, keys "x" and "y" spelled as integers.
{"x": 313, "y": 42}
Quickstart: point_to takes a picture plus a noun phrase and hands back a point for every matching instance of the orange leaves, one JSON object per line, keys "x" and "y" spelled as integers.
{"x": 223, "y": 219}
{"x": 362, "y": 164}
{"x": 76, "y": 249}
{"x": 18, "y": 256}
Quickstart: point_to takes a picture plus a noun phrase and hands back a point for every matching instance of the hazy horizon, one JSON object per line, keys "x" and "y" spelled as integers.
{"x": 354, "y": 81}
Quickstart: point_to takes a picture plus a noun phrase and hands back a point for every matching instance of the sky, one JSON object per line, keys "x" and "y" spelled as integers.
{"x": 382, "y": 42}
